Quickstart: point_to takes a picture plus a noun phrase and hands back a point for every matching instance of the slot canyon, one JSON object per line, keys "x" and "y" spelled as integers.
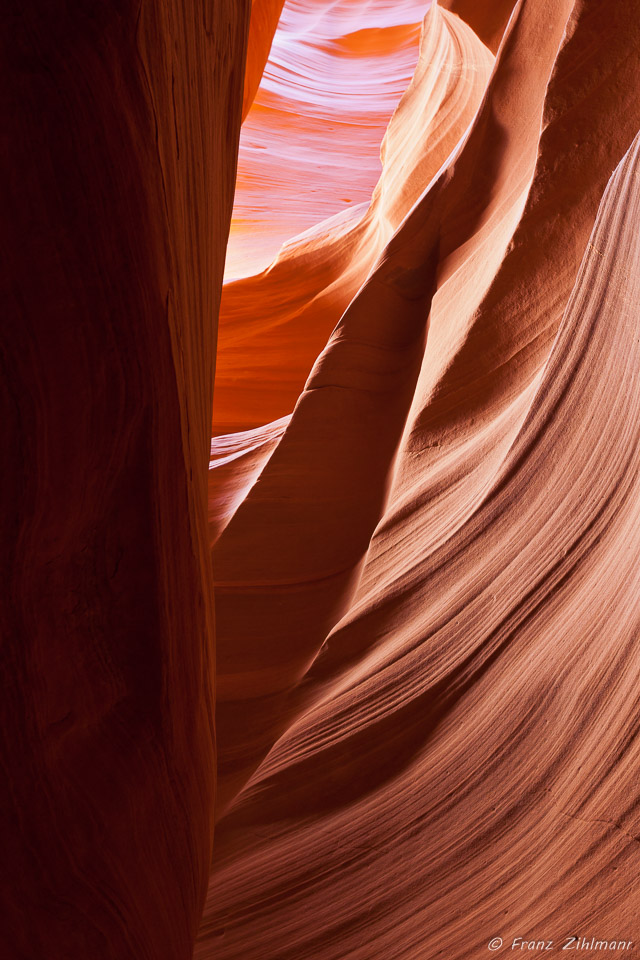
{"x": 320, "y": 368}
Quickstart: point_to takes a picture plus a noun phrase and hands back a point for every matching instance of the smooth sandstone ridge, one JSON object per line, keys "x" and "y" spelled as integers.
{"x": 426, "y": 563}
{"x": 274, "y": 323}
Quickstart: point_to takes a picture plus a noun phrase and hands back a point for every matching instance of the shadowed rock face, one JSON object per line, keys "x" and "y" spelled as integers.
{"x": 120, "y": 124}
{"x": 419, "y": 525}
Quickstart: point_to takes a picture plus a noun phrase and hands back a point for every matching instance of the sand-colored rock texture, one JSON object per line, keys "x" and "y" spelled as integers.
{"x": 424, "y": 504}
{"x": 321, "y": 493}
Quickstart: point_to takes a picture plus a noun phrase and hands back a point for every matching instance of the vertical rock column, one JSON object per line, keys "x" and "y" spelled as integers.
{"x": 120, "y": 125}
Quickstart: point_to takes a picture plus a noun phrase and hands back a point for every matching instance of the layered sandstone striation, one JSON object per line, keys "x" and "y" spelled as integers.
{"x": 426, "y": 593}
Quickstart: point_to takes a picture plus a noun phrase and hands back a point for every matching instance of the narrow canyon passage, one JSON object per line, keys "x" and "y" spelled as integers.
{"x": 321, "y": 534}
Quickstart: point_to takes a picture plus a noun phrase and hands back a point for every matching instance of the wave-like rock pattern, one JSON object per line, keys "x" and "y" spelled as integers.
{"x": 274, "y": 324}
{"x": 309, "y": 146}
{"x": 427, "y": 593}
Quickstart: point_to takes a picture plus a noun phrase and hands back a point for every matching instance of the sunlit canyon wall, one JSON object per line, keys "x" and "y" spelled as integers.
{"x": 424, "y": 490}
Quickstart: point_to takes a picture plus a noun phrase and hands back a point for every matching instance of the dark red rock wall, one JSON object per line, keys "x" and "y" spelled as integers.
{"x": 120, "y": 125}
